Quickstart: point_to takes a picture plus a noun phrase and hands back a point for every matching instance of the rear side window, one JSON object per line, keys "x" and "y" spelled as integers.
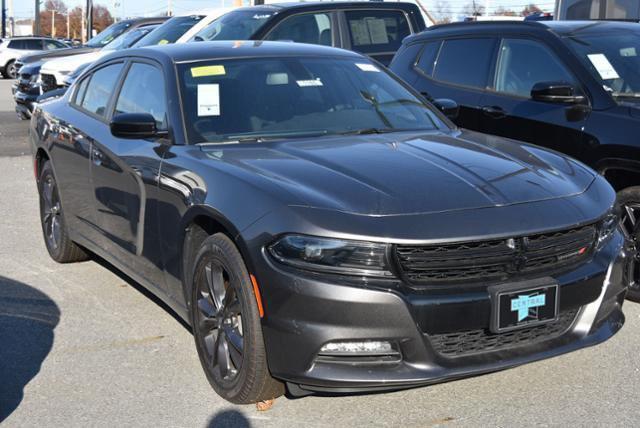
{"x": 427, "y": 58}
{"x": 99, "y": 90}
{"x": 377, "y": 31}
{"x": 314, "y": 28}
{"x": 34, "y": 44}
{"x": 523, "y": 63}
{"x": 465, "y": 62}
{"x": 143, "y": 92}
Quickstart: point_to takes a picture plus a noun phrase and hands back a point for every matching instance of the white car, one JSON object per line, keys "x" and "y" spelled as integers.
{"x": 178, "y": 29}
{"x": 14, "y": 48}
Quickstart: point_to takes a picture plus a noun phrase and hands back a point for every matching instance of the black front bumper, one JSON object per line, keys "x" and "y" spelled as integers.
{"x": 304, "y": 312}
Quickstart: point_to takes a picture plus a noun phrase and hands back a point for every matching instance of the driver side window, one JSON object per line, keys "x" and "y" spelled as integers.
{"x": 143, "y": 92}
{"x": 523, "y": 63}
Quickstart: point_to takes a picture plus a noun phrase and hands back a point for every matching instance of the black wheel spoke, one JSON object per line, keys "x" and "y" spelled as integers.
{"x": 223, "y": 359}
{"x": 215, "y": 281}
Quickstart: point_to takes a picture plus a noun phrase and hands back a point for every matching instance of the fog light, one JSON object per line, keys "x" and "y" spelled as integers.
{"x": 368, "y": 347}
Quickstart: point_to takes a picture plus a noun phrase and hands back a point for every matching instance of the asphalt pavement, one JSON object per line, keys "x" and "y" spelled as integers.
{"x": 82, "y": 346}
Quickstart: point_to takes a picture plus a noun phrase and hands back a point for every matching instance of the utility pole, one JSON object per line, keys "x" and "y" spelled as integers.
{"x": 36, "y": 29}
{"x": 4, "y": 20}
{"x": 68, "y": 24}
{"x": 89, "y": 12}
{"x": 169, "y": 7}
{"x": 53, "y": 24}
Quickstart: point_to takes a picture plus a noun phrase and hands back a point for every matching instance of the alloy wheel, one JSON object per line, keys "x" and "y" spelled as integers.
{"x": 630, "y": 223}
{"x": 219, "y": 321}
{"x": 11, "y": 70}
{"x": 51, "y": 210}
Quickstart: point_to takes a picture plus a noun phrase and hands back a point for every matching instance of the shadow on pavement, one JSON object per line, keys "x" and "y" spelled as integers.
{"x": 27, "y": 320}
{"x": 229, "y": 418}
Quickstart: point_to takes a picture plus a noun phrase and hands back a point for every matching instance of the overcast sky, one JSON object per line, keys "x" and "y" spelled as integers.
{"x": 128, "y": 8}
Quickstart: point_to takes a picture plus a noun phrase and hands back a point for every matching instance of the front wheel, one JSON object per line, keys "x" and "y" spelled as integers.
{"x": 10, "y": 71}
{"x": 629, "y": 200}
{"x": 226, "y": 325}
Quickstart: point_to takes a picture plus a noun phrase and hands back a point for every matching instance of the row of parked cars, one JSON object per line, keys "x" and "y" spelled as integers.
{"x": 320, "y": 220}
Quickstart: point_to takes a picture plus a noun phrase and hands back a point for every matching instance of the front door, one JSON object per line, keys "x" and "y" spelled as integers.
{"x": 509, "y": 111}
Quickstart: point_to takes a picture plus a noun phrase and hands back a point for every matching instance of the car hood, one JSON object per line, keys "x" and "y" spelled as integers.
{"x": 55, "y": 54}
{"x": 71, "y": 63}
{"x": 407, "y": 173}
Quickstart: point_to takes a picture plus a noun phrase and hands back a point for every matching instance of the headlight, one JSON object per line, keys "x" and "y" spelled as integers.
{"x": 332, "y": 255}
{"x": 608, "y": 227}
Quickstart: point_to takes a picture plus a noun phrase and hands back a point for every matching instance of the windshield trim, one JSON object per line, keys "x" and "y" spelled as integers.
{"x": 447, "y": 124}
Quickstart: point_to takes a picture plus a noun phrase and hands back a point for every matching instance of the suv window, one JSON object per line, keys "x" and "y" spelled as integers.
{"x": 53, "y": 44}
{"x": 314, "y": 28}
{"x": 523, "y": 63}
{"x": 17, "y": 44}
{"x": 427, "y": 58}
{"x": 33, "y": 44}
{"x": 375, "y": 31}
{"x": 99, "y": 89}
{"x": 465, "y": 61}
{"x": 143, "y": 92}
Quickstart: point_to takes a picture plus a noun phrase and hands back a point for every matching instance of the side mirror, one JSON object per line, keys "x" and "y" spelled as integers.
{"x": 556, "y": 92}
{"x": 135, "y": 126}
{"x": 449, "y": 107}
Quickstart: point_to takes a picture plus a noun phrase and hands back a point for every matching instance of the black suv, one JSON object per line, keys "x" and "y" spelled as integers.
{"x": 372, "y": 28}
{"x": 571, "y": 86}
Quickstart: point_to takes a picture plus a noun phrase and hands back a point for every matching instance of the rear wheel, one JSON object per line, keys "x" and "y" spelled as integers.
{"x": 54, "y": 228}
{"x": 226, "y": 325}
{"x": 629, "y": 199}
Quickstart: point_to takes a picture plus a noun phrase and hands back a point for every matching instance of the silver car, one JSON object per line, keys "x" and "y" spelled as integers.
{"x": 13, "y": 48}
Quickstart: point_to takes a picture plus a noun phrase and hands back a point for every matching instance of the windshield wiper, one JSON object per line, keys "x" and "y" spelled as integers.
{"x": 259, "y": 137}
{"x": 365, "y": 131}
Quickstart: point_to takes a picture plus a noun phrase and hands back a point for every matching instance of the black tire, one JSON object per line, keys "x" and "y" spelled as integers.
{"x": 10, "y": 70}
{"x": 54, "y": 227}
{"x": 226, "y": 325}
{"x": 629, "y": 199}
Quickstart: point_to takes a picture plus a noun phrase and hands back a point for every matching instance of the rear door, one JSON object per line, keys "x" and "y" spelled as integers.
{"x": 375, "y": 32}
{"x": 458, "y": 69}
{"x": 508, "y": 109}
{"x": 125, "y": 174}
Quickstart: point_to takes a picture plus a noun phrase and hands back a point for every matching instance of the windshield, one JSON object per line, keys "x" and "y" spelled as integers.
{"x": 259, "y": 98}
{"x": 126, "y": 40}
{"x": 170, "y": 31}
{"x": 235, "y": 25}
{"x": 613, "y": 59}
{"x": 108, "y": 34}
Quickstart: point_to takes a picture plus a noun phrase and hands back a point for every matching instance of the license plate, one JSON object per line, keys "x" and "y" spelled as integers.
{"x": 524, "y": 304}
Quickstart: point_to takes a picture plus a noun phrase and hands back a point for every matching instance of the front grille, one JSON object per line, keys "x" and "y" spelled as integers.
{"x": 24, "y": 82}
{"x": 468, "y": 342}
{"x": 48, "y": 82}
{"x": 495, "y": 260}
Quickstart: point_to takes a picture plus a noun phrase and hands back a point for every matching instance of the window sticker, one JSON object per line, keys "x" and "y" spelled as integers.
{"x": 367, "y": 67}
{"x": 603, "y": 66}
{"x": 630, "y": 51}
{"x": 307, "y": 83}
{"x": 208, "y": 70}
{"x": 163, "y": 42}
{"x": 209, "y": 99}
{"x": 378, "y": 31}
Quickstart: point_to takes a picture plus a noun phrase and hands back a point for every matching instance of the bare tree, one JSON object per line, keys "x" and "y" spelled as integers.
{"x": 473, "y": 9}
{"x": 442, "y": 12}
{"x": 532, "y": 8}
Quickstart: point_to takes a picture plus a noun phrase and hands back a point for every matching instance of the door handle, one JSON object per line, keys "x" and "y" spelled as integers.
{"x": 494, "y": 112}
{"x": 97, "y": 157}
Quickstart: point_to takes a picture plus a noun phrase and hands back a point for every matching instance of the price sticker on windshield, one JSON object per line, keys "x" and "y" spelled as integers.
{"x": 367, "y": 67}
{"x": 209, "y": 99}
{"x": 603, "y": 66}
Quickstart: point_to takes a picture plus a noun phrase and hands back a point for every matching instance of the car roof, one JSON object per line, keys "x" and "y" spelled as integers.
{"x": 332, "y": 5}
{"x": 559, "y": 28}
{"x": 202, "y": 51}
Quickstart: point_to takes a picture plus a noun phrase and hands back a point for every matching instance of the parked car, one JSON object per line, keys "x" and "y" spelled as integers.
{"x": 96, "y": 43}
{"x": 181, "y": 28}
{"x": 570, "y": 86}
{"x": 32, "y": 84}
{"x": 372, "y": 28}
{"x": 13, "y": 48}
{"x": 319, "y": 224}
